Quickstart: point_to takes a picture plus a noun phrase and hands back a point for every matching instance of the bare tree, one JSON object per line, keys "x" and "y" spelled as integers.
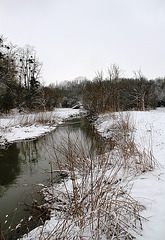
{"x": 30, "y": 75}
{"x": 140, "y": 90}
{"x": 114, "y": 75}
{"x": 30, "y": 67}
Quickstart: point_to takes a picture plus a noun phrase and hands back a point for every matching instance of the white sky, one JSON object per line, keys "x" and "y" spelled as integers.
{"x": 79, "y": 37}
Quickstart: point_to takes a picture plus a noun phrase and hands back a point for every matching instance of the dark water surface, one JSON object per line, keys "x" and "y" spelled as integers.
{"x": 25, "y": 166}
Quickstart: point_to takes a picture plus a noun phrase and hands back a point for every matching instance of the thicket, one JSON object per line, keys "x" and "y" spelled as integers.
{"x": 20, "y": 86}
{"x": 20, "y": 75}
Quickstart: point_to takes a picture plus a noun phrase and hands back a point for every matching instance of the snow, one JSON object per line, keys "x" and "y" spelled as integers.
{"x": 148, "y": 188}
{"x": 17, "y": 127}
{"x": 151, "y": 186}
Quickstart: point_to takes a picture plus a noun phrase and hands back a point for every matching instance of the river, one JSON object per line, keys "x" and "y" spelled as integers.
{"x": 25, "y": 167}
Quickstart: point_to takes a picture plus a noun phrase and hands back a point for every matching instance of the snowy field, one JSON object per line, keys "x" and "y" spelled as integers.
{"x": 148, "y": 188}
{"x": 18, "y": 127}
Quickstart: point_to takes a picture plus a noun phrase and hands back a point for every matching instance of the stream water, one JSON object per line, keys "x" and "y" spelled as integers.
{"x": 25, "y": 168}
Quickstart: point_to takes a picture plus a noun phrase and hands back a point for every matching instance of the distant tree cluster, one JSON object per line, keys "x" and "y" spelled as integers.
{"x": 115, "y": 93}
{"x": 71, "y": 92}
{"x": 20, "y": 86}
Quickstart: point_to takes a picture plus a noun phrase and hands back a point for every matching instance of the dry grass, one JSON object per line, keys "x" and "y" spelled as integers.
{"x": 45, "y": 118}
{"x": 93, "y": 203}
{"x": 133, "y": 158}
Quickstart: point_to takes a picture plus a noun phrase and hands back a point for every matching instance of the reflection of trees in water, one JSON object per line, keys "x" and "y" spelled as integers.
{"x": 78, "y": 125}
{"x": 98, "y": 144}
{"x": 9, "y": 165}
{"x": 29, "y": 154}
{"x": 29, "y": 151}
{"x": 11, "y": 158}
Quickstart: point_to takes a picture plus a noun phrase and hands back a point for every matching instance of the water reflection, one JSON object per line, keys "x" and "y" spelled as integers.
{"x": 9, "y": 165}
{"x": 28, "y": 151}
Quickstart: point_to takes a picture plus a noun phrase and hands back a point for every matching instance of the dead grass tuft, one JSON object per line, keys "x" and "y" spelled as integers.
{"x": 133, "y": 158}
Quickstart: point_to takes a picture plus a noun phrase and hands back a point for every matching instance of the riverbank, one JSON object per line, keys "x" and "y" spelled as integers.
{"x": 148, "y": 188}
{"x": 139, "y": 185}
{"x": 22, "y": 126}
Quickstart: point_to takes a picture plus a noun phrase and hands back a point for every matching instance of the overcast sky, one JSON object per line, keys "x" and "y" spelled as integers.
{"x": 79, "y": 37}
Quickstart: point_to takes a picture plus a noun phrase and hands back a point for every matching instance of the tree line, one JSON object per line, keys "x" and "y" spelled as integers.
{"x": 21, "y": 87}
{"x": 114, "y": 93}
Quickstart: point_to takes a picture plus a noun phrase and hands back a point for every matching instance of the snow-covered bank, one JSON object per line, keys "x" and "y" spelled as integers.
{"x": 17, "y": 127}
{"x": 148, "y": 188}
